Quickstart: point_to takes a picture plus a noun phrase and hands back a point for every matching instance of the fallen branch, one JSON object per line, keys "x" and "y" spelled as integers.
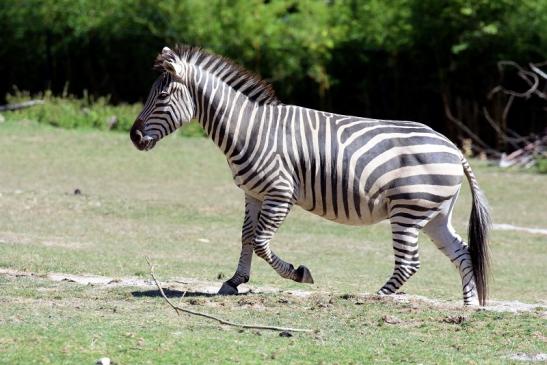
{"x": 220, "y": 320}
{"x": 23, "y": 105}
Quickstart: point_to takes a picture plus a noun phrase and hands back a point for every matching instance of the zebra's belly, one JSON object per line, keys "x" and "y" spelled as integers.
{"x": 376, "y": 211}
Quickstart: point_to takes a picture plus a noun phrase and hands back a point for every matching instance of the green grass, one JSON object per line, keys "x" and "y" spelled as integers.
{"x": 165, "y": 202}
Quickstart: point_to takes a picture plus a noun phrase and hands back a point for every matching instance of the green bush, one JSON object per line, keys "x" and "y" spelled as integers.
{"x": 541, "y": 165}
{"x": 70, "y": 112}
{"x": 192, "y": 129}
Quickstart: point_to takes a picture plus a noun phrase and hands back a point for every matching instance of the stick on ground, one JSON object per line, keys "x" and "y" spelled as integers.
{"x": 220, "y": 320}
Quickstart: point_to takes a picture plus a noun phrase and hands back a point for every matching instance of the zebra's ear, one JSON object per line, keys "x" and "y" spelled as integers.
{"x": 171, "y": 62}
{"x": 173, "y": 67}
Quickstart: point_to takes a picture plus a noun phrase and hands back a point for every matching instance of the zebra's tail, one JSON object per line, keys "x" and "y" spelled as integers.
{"x": 479, "y": 225}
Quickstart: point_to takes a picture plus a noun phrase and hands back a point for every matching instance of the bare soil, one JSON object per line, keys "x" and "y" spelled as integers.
{"x": 208, "y": 288}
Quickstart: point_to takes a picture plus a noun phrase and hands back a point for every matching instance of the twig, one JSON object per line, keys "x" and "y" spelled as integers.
{"x": 220, "y": 320}
{"x": 24, "y": 104}
{"x": 530, "y": 77}
{"x": 513, "y": 141}
{"x": 536, "y": 69}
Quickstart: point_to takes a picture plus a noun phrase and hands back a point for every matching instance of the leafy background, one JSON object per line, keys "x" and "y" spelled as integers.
{"x": 394, "y": 59}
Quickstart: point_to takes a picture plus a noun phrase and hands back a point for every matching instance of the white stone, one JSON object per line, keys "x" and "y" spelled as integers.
{"x": 103, "y": 361}
{"x": 521, "y": 356}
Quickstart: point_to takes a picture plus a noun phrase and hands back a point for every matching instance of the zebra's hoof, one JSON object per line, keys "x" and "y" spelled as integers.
{"x": 227, "y": 289}
{"x": 473, "y": 303}
{"x": 303, "y": 275}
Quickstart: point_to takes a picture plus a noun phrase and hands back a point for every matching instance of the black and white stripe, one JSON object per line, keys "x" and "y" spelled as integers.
{"x": 350, "y": 170}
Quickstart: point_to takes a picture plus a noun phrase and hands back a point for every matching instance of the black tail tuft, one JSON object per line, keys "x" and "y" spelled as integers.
{"x": 479, "y": 224}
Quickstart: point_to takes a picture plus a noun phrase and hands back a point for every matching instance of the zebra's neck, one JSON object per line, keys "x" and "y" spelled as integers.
{"x": 227, "y": 116}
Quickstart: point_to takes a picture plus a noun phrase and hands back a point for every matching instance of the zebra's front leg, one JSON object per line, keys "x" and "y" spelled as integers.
{"x": 407, "y": 261}
{"x": 273, "y": 213}
{"x": 243, "y": 271}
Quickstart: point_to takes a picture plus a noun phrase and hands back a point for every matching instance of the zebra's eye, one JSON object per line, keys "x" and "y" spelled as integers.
{"x": 164, "y": 94}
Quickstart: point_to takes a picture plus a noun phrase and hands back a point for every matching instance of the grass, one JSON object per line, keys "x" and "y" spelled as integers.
{"x": 178, "y": 205}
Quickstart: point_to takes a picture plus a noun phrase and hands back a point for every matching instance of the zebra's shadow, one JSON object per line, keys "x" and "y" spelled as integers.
{"x": 171, "y": 293}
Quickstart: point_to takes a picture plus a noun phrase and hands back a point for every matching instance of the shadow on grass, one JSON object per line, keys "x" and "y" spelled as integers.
{"x": 170, "y": 293}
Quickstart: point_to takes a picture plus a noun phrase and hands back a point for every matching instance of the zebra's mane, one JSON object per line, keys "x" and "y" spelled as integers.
{"x": 236, "y": 76}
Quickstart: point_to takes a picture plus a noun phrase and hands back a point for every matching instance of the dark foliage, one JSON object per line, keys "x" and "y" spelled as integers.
{"x": 402, "y": 59}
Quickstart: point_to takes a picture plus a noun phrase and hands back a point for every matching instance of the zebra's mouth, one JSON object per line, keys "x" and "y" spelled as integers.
{"x": 148, "y": 143}
{"x": 142, "y": 141}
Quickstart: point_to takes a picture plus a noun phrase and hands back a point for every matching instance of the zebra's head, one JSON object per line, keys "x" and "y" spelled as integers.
{"x": 169, "y": 103}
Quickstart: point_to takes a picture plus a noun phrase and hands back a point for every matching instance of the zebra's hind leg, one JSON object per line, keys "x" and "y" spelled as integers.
{"x": 274, "y": 211}
{"x": 444, "y": 236}
{"x": 407, "y": 261}
{"x": 243, "y": 272}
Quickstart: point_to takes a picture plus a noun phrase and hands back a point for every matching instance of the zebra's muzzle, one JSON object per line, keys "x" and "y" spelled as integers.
{"x": 140, "y": 140}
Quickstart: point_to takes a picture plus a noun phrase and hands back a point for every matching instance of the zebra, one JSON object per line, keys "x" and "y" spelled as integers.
{"x": 350, "y": 170}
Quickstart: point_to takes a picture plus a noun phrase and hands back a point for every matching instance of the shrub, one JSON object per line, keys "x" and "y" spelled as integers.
{"x": 541, "y": 165}
{"x": 70, "y": 112}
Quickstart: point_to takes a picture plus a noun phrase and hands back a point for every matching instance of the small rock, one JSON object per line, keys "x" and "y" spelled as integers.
{"x": 204, "y": 240}
{"x": 112, "y": 122}
{"x": 285, "y": 334}
{"x": 103, "y": 361}
{"x": 391, "y": 320}
{"x": 77, "y": 192}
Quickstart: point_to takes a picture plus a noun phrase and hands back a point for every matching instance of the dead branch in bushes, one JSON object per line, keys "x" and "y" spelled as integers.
{"x": 22, "y": 105}
{"x": 179, "y": 309}
{"x": 527, "y": 148}
{"x": 527, "y": 155}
